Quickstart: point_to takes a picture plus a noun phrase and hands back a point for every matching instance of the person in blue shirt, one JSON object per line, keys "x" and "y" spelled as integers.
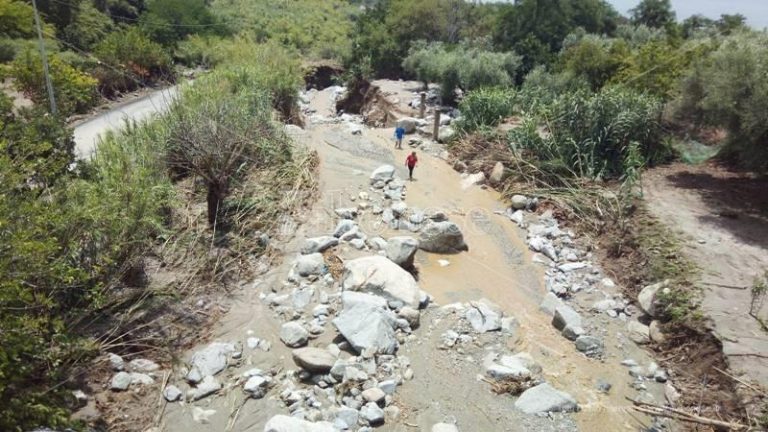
{"x": 399, "y": 134}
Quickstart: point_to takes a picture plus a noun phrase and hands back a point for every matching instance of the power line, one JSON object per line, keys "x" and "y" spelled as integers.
{"x": 44, "y": 58}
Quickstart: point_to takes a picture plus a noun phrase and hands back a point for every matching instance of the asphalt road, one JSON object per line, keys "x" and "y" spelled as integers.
{"x": 87, "y": 133}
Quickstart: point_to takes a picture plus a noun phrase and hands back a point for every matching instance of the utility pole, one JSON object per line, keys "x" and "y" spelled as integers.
{"x": 44, "y": 58}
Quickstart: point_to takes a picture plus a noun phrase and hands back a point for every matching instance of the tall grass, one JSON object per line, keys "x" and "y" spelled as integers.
{"x": 486, "y": 107}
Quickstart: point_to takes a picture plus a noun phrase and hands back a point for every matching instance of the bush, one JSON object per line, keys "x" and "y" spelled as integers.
{"x": 593, "y": 135}
{"x": 65, "y": 245}
{"x": 74, "y": 91}
{"x": 486, "y": 107}
{"x": 466, "y": 67}
{"x": 170, "y": 21}
{"x": 221, "y": 128}
{"x": 89, "y": 27}
{"x": 728, "y": 89}
{"x": 130, "y": 60}
{"x": 17, "y": 20}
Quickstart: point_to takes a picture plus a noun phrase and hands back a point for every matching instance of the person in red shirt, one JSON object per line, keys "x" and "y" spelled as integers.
{"x": 411, "y": 162}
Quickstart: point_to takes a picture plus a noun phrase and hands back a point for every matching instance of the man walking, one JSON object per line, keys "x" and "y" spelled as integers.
{"x": 411, "y": 162}
{"x": 399, "y": 134}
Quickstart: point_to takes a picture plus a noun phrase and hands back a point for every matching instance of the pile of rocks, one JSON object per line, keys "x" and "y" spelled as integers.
{"x": 136, "y": 373}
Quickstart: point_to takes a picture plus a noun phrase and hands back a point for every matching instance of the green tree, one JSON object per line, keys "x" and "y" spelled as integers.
{"x": 653, "y": 13}
{"x": 16, "y": 19}
{"x": 89, "y": 27}
{"x": 170, "y": 21}
{"x": 728, "y": 24}
{"x": 59, "y": 13}
{"x": 595, "y": 59}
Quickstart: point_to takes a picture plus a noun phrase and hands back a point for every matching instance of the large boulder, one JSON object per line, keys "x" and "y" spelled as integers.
{"x": 639, "y": 333}
{"x": 284, "y": 423}
{"x": 350, "y": 299}
{"x": 550, "y": 303}
{"x": 402, "y": 250}
{"x": 384, "y": 173}
{"x": 477, "y": 178}
{"x": 314, "y": 360}
{"x": 544, "y": 398}
{"x": 366, "y": 327}
{"x": 483, "y": 316}
{"x": 442, "y": 237}
{"x": 381, "y": 276}
{"x": 648, "y": 298}
{"x": 408, "y": 123}
{"x": 519, "y": 202}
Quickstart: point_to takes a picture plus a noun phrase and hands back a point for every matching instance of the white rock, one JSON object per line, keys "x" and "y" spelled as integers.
{"x": 141, "y": 379}
{"x": 381, "y": 276}
{"x": 143, "y": 365}
{"x": 257, "y": 386}
{"x": 402, "y": 250}
{"x": 293, "y": 334}
{"x": 373, "y": 394}
{"x": 116, "y": 362}
{"x": 120, "y": 381}
{"x": 172, "y": 393}
{"x": 518, "y": 217}
{"x": 366, "y": 327}
{"x": 372, "y": 413}
{"x": 472, "y": 180}
{"x": 444, "y": 427}
{"x": 639, "y": 332}
{"x": 519, "y": 202}
{"x": 310, "y": 265}
{"x": 384, "y": 173}
{"x": 647, "y": 298}
{"x": 318, "y": 244}
{"x": 314, "y": 360}
{"x": 207, "y": 386}
{"x": 211, "y": 359}
{"x": 565, "y": 316}
{"x": 544, "y": 398}
{"x": 283, "y": 423}
{"x": 348, "y": 416}
{"x": 484, "y": 316}
{"x": 442, "y": 237}
{"x": 351, "y": 298}
{"x": 550, "y": 303}
{"x": 497, "y": 174}
{"x": 344, "y": 226}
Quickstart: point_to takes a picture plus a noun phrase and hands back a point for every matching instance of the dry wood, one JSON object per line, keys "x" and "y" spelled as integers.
{"x": 681, "y": 415}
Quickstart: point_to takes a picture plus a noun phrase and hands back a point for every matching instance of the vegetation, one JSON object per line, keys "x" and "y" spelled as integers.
{"x": 486, "y": 107}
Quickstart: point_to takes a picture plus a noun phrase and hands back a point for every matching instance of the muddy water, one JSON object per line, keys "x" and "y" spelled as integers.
{"x": 498, "y": 267}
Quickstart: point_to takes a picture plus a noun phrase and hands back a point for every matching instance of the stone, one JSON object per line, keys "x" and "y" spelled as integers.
{"x": 442, "y": 237}
{"x": 381, "y": 276}
{"x": 517, "y": 217}
{"x": 522, "y": 358}
{"x": 605, "y": 305}
{"x": 318, "y": 244}
{"x": 590, "y": 346}
{"x": 257, "y": 386}
{"x": 540, "y": 244}
{"x": 384, "y": 173}
{"x": 311, "y": 265}
{"x": 143, "y": 365}
{"x": 314, "y": 360}
{"x": 366, "y": 327}
{"x": 172, "y": 393}
{"x": 357, "y": 243}
{"x": 293, "y": 334}
{"x": 377, "y": 243}
{"x": 647, "y": 300}
{"x": 373, "y": 394}
{"x": 544, "y": 398}
{"x": 120, "y": 381}
{"x": 408, "y": 124}
{"x": 550, "y": 303}
{"x": 344, "y": 226}
{"x": 210, "y": 360}
{"x": 372, "y": 414}
{"x": 445, "y": 134}
{"x": 346, "y": 213}
{"x": 399, "y": 208}
{"x": 116, "y": 362}
{"x": 519, "y": 202}
{"x": 654, "y": 331}
{"x": 573, "y": 332}
{"x": 572, "y": 266}
{"x": 411, "y": 315}
{"x": 141, "y": 379}
{"x": 639, "y": 333}
{"x": 388, "y": 386}
{"x": 402, "y": 250}
{"x": 444, "y": 427}
{"x": 510, "y": 370}
{"x": 320, "y": 310}
{"x": 351, "y": 298}
{"x": 473, "y": 180}
{"x": 603, "y": 386}
{"x": 200, "y": 415}
{"x": 207, "y": 386}
{"x": 348, "y": 416}
{"x": 565, "y": 316}
{"x": 483, "y": 316}
{"x": 284, "y": 423}
{"x": 497, "y": 174}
